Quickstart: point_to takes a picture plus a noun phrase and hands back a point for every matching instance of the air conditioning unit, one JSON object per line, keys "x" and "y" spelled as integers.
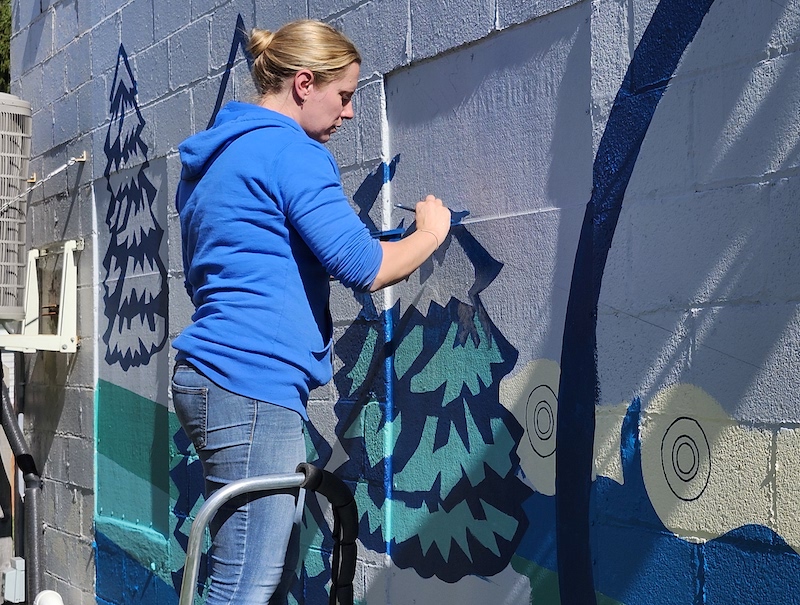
{"x": 20, "y": 308}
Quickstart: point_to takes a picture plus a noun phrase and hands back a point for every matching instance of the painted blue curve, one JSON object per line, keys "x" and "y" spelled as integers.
{"x": 671, "y": 29}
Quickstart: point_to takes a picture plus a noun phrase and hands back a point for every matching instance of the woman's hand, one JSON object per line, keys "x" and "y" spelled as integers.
{"x": 434, "y": 217}
{"x": 401, "y": 259}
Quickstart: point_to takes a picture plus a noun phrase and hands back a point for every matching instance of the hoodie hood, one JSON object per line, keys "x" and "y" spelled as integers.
{"x": 233, "y": 121}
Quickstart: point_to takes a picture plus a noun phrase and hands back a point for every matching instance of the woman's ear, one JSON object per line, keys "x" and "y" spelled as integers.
{"x": 303, "y": 84}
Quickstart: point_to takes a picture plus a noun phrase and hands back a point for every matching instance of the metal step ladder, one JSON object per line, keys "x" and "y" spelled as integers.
{"x": 345, "y": 525}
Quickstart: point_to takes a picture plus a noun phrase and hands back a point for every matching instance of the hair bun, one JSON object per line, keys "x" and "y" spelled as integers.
{"x": 259, "y": 41}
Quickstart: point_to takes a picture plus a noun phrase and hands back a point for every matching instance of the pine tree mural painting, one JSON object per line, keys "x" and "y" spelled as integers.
{"x": 450, "y": 473}
{"x": 135, "y": 281}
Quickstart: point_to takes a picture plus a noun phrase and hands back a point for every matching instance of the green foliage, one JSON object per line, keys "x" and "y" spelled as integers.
{"x": 5, "y": 45}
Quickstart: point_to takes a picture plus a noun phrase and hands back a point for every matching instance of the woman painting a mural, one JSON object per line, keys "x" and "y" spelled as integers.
{"x": 264, "y": 224}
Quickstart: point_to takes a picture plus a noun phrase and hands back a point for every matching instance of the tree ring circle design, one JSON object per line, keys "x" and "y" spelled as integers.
{"x": 540, "y": 420}
{"x": 686, "y": 458}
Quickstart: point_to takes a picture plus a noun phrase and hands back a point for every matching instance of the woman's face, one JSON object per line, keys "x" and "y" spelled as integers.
{"x": 328, "y": 105}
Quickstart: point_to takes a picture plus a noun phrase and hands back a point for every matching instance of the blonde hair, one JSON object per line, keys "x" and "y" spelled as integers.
{"x": 303, "y": 44}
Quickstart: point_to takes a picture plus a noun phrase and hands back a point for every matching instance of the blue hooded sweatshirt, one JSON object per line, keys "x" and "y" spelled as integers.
{"x": 264, "y": 224}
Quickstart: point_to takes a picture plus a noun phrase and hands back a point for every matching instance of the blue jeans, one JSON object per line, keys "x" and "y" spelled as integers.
{"x": 236, "y": 437}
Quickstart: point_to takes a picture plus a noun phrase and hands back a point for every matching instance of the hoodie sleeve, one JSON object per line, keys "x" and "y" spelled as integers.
{"x": 316, "y": 206}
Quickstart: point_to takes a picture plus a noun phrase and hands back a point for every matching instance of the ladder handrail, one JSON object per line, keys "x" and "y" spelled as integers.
{"x": 345, "y": 530}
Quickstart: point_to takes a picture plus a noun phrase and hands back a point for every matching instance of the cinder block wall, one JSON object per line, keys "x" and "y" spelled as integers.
{"x": 589, "y": 394}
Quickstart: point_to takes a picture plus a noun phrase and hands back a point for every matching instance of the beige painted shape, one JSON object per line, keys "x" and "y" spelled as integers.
{"x": 787, "y": 486}
{"x": 531, "y": 396}
{"x": 704, "y": 473}
{"x": 607, "y": 431}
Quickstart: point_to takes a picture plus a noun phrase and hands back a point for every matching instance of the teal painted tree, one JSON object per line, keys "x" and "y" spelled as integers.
{"x": 433, "y": 456}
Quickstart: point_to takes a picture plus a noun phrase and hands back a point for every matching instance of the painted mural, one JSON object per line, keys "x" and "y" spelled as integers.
{"x": 486, "y": 468}
{"x": 135, "y": 281}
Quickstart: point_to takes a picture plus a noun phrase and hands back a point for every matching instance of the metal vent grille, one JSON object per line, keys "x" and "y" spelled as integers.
{"x": 15, "y": 149}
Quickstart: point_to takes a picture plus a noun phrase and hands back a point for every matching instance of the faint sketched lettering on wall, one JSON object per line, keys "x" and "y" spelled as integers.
{"x": 134, "y": 284}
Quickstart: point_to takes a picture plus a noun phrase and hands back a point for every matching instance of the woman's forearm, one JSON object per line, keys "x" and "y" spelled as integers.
{"x": 401, "y": 259}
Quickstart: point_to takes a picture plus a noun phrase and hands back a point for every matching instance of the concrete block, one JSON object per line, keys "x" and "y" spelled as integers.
{"x": 16, "y": 49}
{"x": 54, "y": 450}
{"x": 31, "y": 89}
{"x": 271, "y": 14}
{"x": 437, "y": 26}
{"x": 63, "y": 508}
{"x": 368, "y": 103}
{"x": 223, "y": 34}
{"x": 23, "y": 12}
{"x": 379, "y": 31}
{"x": 513, "y": 12}
{"x": 611, "y": 51}
{"x": 346, "y": 305}
{"x": 78, "y": 72}
{"x": 181, "y": 308}
{"x": 136, "y": 19}
{"x": 739, "y": 33}
{"x": 35, "y": 45}
{"x": 320, "y": 9}
{"x": 780, "y": 243}
{"x": 536, "y": 251}
{"x": 742, "y": 116}
{"x": 80, "y": 466}
{"x": 639, "y": 355}
{"x": 113, "y": 6}
{"x": 175, "y": 266}
{"x": 105, "y": 40}
{"x": 58, "y": 553}
{"x": 202, "y": 7}
{"x": 89, "y": 15}
{"x": 169, "y": 17}
{"x": 204, "y": 100}
{"x": 710, "y": 261}
{"x": 344, "y": 144}
{"x": 101, "y": 113}
{"x": 42, "y": 130}
{"x": 54, "y": 77}
{"x": 65, "y": 118}
{"x": 152, "y": 72}
{"x": 705, "y": 474}
{"x": 70, "y": 594}
{"x": 665, "y": 164}
{"x": 172, "y": 125}
{"x": 746, "y": 357}
{"x": 86, "y": 319}
{"x": 86, "y": 113}
{"x": 360, "y": 348}
{"x": 364, "y": 188}
{"x": 76, "y": 419}
{"x": 189, "y": 54}
{"x": 65, "y": 20}
{"x": 148, "y": 116}
{"x": 642, "y": 13}
{"x": 243, "y": 87}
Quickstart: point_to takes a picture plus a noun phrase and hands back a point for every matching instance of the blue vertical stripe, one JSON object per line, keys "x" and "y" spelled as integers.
{"x": 672, "y": 28}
